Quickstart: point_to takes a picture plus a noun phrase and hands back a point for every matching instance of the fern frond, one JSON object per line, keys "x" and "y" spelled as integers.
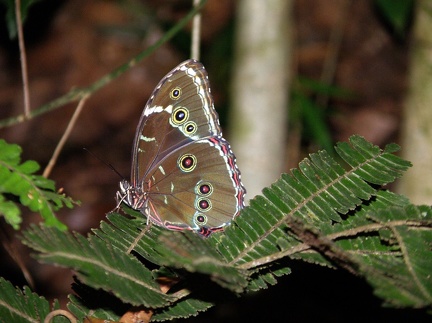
{"x": 193, "y": 253}
{"x": 122, "y": 231}
{"x": 319, "y": 193}
{"x": 98, "y": 264}
{"x": 173, "y": 249}
{"x": 403, "y": 276}
{"x": 389, "y": 246}
{"x": 182, "y": 309}
{"x": 267, "y": 276}
{"x": 95, "y": 303}
{"x": 33, "y": 191}
{"x": 21, "y": 306}
{"x": 322, "y": 214}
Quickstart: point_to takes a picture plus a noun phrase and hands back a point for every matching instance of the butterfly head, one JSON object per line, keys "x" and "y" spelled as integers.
{"x": 132, "y": 196}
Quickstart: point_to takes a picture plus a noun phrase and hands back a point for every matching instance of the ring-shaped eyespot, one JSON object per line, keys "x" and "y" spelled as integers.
{"x": 204, "y": 189}
{"x": 175, "y": 93}
{"x": 187, "y": 163}
{"x": 179, "y": 116}
{"x": 190, "y": 128}
{"x": 200, "y": 219}
{"x": 203, "y": 204}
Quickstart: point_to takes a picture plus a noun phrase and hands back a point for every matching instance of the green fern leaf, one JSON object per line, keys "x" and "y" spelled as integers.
{"x": 193, "y": 253}
{"x": 98, "y": 264}
{"x": 33, "y": 191}
{"x": 321, "y": 213}
{"x": 94, "y": 304}
{"x": 265, "y": 277}
{"x": 182, "y": 309}
{"x": 10, "y": 211}
{"x": 388, "y": 242}
{"x": 173, "y": 249}
{"x": 21, "y": 306}
{"x": 317, "y": 193}
{"x": 402, "y": 276}
{"x": 10, "y": 15}
{"x": 122, "y": 232}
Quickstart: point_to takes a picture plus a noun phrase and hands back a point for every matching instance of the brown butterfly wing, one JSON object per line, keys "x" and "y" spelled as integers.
{"x": 184, "y": 175}
{"x": 160, "y": 131}
{"x": 196, "y": 187}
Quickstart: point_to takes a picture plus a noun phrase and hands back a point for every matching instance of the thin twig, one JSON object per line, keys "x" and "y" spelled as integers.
{"x": 65, "y": 136}
{"x": 23, "y": 57}
{"x": 196, "y": 33}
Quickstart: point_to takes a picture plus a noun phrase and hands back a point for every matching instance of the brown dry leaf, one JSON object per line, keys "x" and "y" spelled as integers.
{"x": 140, "y": 316}
{"x": 95, "y": 320}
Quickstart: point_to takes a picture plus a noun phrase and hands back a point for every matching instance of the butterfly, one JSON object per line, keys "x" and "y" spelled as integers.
{"x": 184, "y": 174}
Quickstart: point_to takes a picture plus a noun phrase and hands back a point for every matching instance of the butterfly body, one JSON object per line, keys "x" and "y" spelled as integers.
{"x": 184, "y": 175}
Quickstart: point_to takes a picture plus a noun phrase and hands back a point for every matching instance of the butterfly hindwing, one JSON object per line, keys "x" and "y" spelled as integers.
{"x": 196, "y": 186}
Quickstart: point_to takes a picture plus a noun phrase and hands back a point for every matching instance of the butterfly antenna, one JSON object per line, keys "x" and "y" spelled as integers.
{"x": 105, "y": 163}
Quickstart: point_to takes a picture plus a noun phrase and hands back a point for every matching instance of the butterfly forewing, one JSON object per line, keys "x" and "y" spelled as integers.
{"x": 158, "y": 133}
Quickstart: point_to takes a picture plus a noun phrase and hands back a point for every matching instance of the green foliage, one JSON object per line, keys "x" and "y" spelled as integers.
{"x": 19, "y": 183}
{"x": 99, "y": 265}
{"x": 403, "y": 276}
{"x": 10, "y": 16}
{"x": 397, "y": 13}
{"x": 306, "y": 111}
{"x": 322, "y": 213}
{"x": 22, "y": 306}
{"x": 314, "y": 120}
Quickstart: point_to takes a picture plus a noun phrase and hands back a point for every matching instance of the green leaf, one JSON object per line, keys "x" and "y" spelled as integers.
{"x": 33, "y": 191}
{"x": 10, "y": 211}
{"x": 306, "y": 111}
{"x": 95, "y": 303}
{"x": 314, "y": 120}
{"x": 173, "y": 249}
{"x": 404, "y": 279}
{"x": 182, "y": 309}
{"x": 21, "y": 306}
{"x": 267, "y": 277}
{"x": 122, "y": 232}
{"x": 98, "y": 264}
{"x": 11, "y": 16}
{"x": 317, "y": 193}
{"x": 307, "y": 86}
{"x": 28, "y": 167}
{"x": 324, "y": 213}
{"x": 189, "y": 251}
{"x": 387, "y": 244}
{"x": 397, "y": 13}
